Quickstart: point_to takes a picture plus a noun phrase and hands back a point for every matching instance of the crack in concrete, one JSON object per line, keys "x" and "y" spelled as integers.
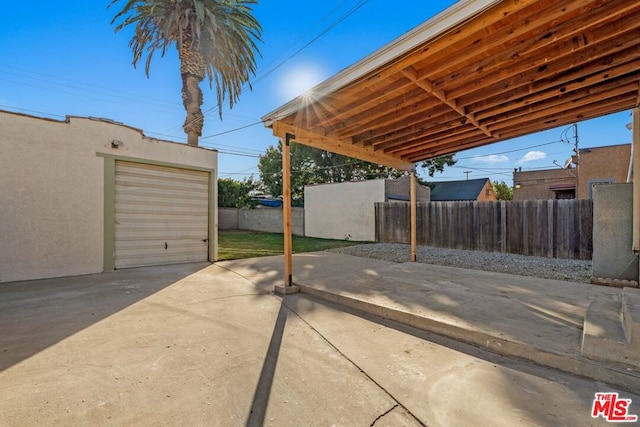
{"x": 383, "y": 414}
{"x": 325, "y": 339}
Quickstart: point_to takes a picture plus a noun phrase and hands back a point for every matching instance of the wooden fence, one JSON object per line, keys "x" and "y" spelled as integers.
{"x": 547, "y": 228}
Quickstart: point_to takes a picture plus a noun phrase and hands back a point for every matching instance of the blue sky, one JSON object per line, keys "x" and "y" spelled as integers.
{"x": 63, "y": 58}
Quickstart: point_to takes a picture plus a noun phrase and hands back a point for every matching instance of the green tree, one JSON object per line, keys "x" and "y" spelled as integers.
{"x": 502, "y": 190}
{"x": 214, "y": 38}
{"x": 314, "y": 166}
{"x": 437, "y": 164}
{"x": 236, "y": 194}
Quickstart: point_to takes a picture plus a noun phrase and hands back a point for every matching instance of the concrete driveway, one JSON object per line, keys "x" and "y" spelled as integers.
{"x": 203, "y": 344}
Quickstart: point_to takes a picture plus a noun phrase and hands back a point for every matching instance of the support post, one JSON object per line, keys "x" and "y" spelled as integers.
{"x": 414, "y": 215}
{"x": 636, "y": 179}
{"x": 286, "y": 209}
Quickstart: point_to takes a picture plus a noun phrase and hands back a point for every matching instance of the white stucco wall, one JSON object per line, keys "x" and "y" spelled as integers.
{"x": 341, "y": 211}
{"x": 52, "y": 190}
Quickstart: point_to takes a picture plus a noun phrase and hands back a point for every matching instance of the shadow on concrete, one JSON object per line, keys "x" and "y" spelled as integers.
{"x": 263, "y": 388}
{"x": 512, "y": 374}
{"x": 35, "y": 315}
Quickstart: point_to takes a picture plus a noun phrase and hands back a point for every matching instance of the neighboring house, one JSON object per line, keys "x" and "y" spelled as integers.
{"x": 593, "y": 166}
{"x": 347, "y": 210}
{"x": 86, "y": 195}
{"x": 601, "y": 165}
{"x": 544, "y": 184}
{"x": 479, "y": 189}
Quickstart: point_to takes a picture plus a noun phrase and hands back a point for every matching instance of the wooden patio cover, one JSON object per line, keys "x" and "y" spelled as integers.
{"x": 480, "y": 72}
{"x": 509, "y": 69}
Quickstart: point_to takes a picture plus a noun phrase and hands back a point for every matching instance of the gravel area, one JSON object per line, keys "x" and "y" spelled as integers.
{"x": 546, "y": 268}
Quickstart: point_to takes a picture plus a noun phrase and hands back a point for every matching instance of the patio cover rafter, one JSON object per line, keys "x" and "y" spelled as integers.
{"x": 482, "y": 71}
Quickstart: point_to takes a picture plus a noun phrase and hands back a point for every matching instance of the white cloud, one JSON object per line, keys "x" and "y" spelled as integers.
{"x": 493, "y": 158}
{"x": 533, "y": 156}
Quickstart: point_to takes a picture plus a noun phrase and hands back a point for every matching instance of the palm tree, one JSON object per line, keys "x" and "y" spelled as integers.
{"x": 216, "y": 38}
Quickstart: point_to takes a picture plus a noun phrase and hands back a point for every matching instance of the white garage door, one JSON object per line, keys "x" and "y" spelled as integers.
{"x": 161, "y": 215}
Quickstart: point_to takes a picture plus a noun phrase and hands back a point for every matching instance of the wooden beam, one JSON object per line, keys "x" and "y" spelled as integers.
{"x": 434, "y": 142}
{"x": 439, "y": 49}
{"x": 400, "y": 105}
{"x": 510, "y": 110}
{"x": 358, "y": 104}
{"x": 438, "y": 149}
{"x": 286, "y": 211}
{"x": 554, "y": 117}
{"x": 426, "y": 85}
{"x": 636, "y": 179}
{"x": 419, "y": 109}
{"x": 614, "y": 96}
{"x": 345, "y": 148}
{"x": 539, "y": 85}
{"x": 569, "y": 117}
{"x": 537, "y": 29}
{"x": 388, "y": 140}
{"x": 534, "y": 46}
{"x": 430, "y": 138}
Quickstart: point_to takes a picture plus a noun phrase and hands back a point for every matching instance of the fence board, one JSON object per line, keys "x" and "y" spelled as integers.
{"x": 551, "y": 228}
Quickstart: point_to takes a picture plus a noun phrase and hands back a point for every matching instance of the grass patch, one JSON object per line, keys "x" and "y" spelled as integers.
{"x": 250, "y": 244}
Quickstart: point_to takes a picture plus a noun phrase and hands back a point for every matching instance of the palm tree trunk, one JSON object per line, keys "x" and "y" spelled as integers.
{"x": 192, "y": 72}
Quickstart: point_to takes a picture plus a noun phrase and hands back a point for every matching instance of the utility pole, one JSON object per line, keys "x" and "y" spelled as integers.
{"x": 467, "y": 172}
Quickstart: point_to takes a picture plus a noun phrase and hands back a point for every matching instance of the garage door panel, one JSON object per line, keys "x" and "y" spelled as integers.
{"x": 161, "y": 213}
{"x": 150, "y": 251}
{"x": 159, "y": 234}
{"x": 158, "y": 204}
{"x": 134, "y": 218}
{"x": 153, "y": 244}
{"x": 167, "y": 185}
{"x": 142, "y": 169}
{"x": 157, "y": 260}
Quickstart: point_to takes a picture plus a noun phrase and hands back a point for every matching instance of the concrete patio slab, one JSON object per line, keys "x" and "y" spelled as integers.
{"x": 442, "y": 387}
{"x": 538, "y": 320}
{"x": 186, "y": 345}
{"x": 206, "y": 344}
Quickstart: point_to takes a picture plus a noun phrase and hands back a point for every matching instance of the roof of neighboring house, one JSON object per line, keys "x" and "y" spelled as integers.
{"x": 468, "y": 189}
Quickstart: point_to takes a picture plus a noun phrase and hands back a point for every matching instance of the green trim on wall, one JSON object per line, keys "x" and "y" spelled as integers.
{"x": 154, "y": 162}
{"x": 213, "y": 216}
{"x": 109, "y": 213}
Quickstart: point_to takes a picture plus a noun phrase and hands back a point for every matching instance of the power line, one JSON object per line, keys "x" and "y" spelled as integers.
{"x": 350, "y": 12}
{"x": 33, "y": 111}
{"x": 232, "y": 130}
{"x": 84, "y": 87}
{"x": 511, "y": 151}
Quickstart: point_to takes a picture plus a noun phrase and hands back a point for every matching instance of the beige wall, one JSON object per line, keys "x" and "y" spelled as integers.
{"x": 343, "y": 211}
{"x": 270, "y": 220}
{"x": 602, "y": 164}
{"x": 52, "y": 185}
{"x": 534, "y": 185}
{"x": 227, "y": 218}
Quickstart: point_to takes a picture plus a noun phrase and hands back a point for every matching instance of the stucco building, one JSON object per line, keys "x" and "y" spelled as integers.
{"x": 593, "y": 166}
{"x": 347, "y": 210}
{"x": 601, "y": 165}
{"x": 544, "y": 184}
{"x": 86, "y": 195}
